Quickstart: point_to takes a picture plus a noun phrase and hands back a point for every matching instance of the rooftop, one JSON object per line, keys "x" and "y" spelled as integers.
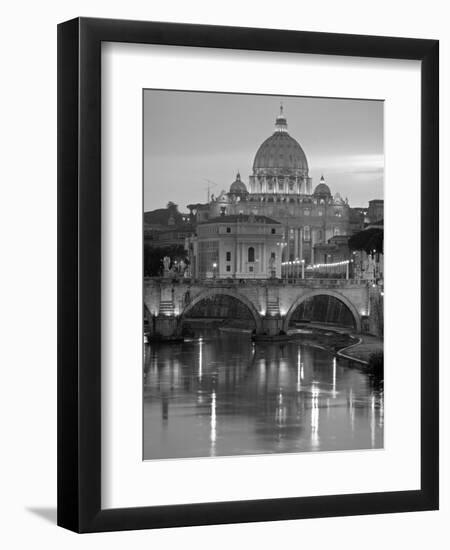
{"x": 241, "y": 218}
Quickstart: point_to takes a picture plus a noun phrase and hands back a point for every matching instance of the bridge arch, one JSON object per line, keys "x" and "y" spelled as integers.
{"x": 324, "y": 292}
{"x": 225, "y": 292}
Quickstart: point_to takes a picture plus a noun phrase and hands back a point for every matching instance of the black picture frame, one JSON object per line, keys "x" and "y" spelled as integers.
{"x": 79, "y": 274}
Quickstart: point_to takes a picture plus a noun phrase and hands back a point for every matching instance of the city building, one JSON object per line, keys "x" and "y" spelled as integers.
{"x": 242, "y": 246}
{"x": 279, "y": 214}
{"x": 375, "y": 211}
{"x": 281, "y": 188}
{"x": 334, "y": 251}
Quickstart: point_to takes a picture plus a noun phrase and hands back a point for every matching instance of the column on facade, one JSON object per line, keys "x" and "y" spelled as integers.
{"x": 300, "y": 236}
{"x": 238, "y": 255}
{"x": 296, "y": 243}
{"x": 257, "y": 258}
{"x": 291, "y": 244}
{"x": 235, "y": 266}
{"x": 301, "y": 244}
{"x": 240, "y": 258}
{"x": 289, "y": 247}
{"x": 262, "y": 260}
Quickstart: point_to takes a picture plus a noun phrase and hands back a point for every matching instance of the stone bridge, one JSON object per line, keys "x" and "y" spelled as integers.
{"x": 271, "y": 302}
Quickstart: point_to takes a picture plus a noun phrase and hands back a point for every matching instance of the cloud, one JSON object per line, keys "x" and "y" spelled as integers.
{"x": 350, "y": 164}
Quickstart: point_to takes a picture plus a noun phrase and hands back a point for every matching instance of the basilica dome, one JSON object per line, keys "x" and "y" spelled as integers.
{"x": 322, "y": 190}
{"x": 280, "y": 154}
{"x": 238, "y": 186}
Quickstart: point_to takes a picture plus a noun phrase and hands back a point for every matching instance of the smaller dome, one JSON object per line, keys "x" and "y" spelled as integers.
{"x": 322, "y": 188}
{"x": 238, "y": 186}
{"x": 338, "y": 199}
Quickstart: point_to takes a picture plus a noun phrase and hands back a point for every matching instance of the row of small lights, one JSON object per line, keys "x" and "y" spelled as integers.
{"x": 335, "y": 264}
{"x": 293, "y": 262}
{"x": 317, "y": 266}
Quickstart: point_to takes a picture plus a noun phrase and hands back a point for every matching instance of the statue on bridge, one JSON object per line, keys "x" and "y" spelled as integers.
{"x": 272, "y": 269}
{"x": 166, "y": 263}
{"x": 369, "y": 268}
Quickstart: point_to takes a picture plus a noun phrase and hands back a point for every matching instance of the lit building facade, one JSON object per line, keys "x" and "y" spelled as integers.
{"x": 242, "y": 246}
{"x": 279, "y": 214}
{"x": 281, "y": 188}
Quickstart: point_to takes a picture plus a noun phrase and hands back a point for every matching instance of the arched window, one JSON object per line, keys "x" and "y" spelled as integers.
{"x": 251, "y": 254}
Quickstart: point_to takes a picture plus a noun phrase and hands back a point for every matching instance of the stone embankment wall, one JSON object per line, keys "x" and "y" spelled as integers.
{"x": 376, "y": 317}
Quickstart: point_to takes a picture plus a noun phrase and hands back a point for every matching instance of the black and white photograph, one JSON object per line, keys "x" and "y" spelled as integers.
{"x": 263, "y": 274}
{"x": 207, "y": 340}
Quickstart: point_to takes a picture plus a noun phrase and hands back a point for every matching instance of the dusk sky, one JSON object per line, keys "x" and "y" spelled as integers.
{"x": 193, "y": 137}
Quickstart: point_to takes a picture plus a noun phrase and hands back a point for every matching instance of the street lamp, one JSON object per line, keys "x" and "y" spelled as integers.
{"x": 214, "y": 269}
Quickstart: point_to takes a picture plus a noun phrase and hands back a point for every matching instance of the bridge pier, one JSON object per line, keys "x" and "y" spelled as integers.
{"x": 164, "y": 325}
{"x": 271, "y": 325}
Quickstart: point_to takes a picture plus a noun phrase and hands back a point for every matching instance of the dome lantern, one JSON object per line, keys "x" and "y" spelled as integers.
{"x": 281, "y": 121}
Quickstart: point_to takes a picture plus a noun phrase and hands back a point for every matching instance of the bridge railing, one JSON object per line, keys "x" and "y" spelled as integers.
{"x": 231, "y": 282}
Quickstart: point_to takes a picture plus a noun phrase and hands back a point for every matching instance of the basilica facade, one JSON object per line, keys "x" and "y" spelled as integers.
{"x": 280, "y": 188}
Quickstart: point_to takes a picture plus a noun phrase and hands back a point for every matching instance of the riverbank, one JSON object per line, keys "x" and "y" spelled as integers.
{"x": 326, "y": 338}
{"x": 362, "y": 350}
{"x": 358, "y": 348}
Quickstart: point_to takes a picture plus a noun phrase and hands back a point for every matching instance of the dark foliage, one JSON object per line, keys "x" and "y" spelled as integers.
{"x": 368, "y": 240}
{"x": 153, "y": 258}
{"x": 376, "y": 364}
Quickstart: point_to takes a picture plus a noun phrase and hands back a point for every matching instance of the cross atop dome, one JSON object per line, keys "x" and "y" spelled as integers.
{"x": 281, "y": 121}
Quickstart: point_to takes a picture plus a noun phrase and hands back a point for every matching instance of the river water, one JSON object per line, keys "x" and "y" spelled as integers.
{"x": 222, "y": 395}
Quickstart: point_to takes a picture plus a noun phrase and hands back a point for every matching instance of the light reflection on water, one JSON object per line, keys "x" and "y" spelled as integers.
{"x": 222, "y": 396}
